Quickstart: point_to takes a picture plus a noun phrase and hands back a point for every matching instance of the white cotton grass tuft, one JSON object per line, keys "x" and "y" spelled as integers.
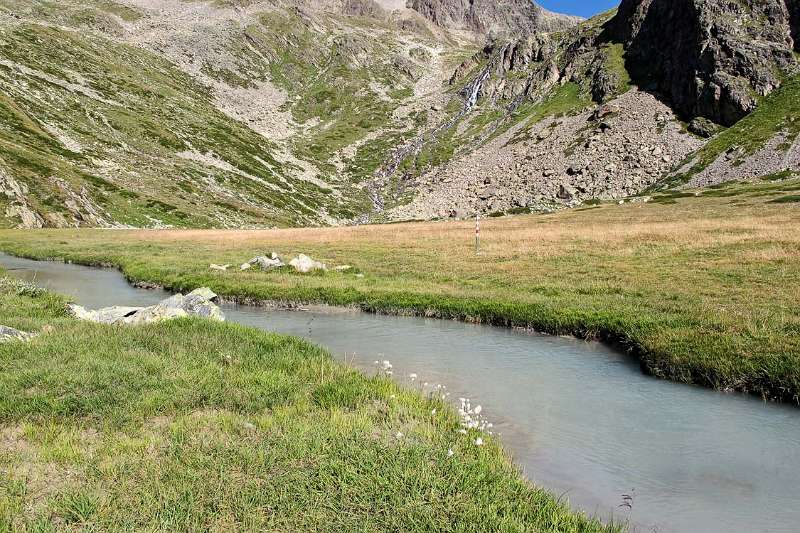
{"x": 384, "y": 368}
{"x": 450, "y": 453}
{"x": 471, "y": 418}
{"x": 399, "y": 435}
{"x": 479, "y": 442}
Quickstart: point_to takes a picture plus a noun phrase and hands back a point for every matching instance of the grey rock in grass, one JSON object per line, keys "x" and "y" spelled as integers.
{"x": 197, "y": 303}
{"x": 81, "y": 313}
{"x": 111, "y": 315}
{"x": 220, "y": 268}
{"x": 304, "y": 264}
{"x": 10, "y": 334}
{"x": 154, "y": 314}
{"x": 266, "y": 262}
{"x": 107, "y": 315}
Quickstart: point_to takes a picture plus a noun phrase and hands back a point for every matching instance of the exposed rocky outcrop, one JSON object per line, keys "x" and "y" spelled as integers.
{"x": 18, "y": 209}
{"x": 528, "y": 68}
{"x": 198, "y": 303}
{"x": 492, "y": 17}
{"x": 709, "y": 58}
{"x": 10, "y": 334}
{"x": 778, "y": 155}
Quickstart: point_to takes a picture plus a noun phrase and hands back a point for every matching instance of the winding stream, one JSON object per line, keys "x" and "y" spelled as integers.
{"x": 579, "y": 419}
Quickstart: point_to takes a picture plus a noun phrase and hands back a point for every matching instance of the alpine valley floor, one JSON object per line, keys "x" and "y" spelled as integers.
{"x": 699, "y": 285}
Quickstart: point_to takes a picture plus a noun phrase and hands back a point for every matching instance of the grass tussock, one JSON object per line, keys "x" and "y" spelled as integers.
{"x": 702, "y": 290}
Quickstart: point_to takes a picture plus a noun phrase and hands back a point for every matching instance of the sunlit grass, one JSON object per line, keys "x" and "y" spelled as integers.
{"x": 195, "y": 425}
{"x": 703, "y": 289}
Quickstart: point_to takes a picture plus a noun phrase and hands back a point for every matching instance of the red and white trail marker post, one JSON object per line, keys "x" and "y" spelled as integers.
{"x": 477, "y": 234}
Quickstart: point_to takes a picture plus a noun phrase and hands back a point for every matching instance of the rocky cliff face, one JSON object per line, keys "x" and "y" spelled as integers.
{"x": 794, "y": 21}
{"x": 710, "y": 58}
{"x": 496, "y": 17}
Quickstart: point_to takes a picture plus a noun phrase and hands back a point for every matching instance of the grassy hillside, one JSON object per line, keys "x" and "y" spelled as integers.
{"x": 778, "y": 113}
{"x": 192, "y": 425}
{"x": 130, "y": 128}
{"x": 211, "y": 118}
{"x": 701, "y": 288}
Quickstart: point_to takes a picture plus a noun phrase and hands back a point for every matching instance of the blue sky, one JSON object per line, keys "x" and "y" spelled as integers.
{"x": 583, "y": 8}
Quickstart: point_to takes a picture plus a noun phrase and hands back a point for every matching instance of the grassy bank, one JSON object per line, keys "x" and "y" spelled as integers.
{"x": 192, "y": 425}
{"x": 702, "y": 288}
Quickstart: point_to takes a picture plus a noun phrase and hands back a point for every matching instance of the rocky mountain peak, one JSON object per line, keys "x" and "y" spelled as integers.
{"x": 496, "y": 17}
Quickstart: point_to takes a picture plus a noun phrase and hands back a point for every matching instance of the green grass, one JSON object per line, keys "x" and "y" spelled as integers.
{"x": 565, "y": 100}
{"x": 615, "y": 66}
{"x": 777, "y": 113}
{"x": 141, "y": 113}
{"x": 791, "y": 198}
{"x": 191, "y": 425}
{"x": 700, "y": 288}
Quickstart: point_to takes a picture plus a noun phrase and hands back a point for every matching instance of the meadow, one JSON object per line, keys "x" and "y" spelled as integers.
{"x": 701, "y": 287}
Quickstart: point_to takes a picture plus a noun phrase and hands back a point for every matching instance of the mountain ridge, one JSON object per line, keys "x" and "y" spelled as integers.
{"x": 289, "y": 112}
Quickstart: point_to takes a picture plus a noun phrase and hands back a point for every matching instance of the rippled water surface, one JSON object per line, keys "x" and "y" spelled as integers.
{"x": 579, "y": 418}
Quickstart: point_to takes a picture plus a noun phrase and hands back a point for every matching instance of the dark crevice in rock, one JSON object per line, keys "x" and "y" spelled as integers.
{"x": 793, "y": 7}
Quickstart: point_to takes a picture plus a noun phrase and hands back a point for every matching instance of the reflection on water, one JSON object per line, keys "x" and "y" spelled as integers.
{"x": 578, "y": 418}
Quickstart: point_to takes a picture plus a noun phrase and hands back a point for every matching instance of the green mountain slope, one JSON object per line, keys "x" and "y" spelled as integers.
{"x": 235, "y": 113}
{"x": 257, "y": 123}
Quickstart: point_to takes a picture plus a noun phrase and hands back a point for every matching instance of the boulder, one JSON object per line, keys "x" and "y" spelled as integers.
{"x": 197, "y": 306}
{"x": 604, "y": 111}
{"x": 305, "y": 264}
{"x": 112, "y": 315}
{"x": 204, "y": 292}
{"x": 703, "y": 127}
{"x": 197, "y": 303}
{"x": 245, "y": 266}
{"x": 574, "y": 170}
{"x": 266, "y": 262}
{"x": 155, "y": 314}
{"x": 567, "y": 192}
{"x": 10, "y": 334}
